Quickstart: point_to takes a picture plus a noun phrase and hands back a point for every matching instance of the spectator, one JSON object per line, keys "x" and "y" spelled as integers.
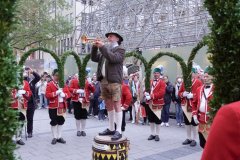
{"x": 41, "y": 85}
{"x": 93, "y": 109}
{"x": 102, "y": 108}
{"x": 167, "y": 102}
{"x": 177, "y": 101}
{"x": 32, "y": 77}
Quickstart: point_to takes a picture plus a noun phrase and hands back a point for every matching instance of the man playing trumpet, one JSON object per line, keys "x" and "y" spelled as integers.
{"x": 110, "y": 68}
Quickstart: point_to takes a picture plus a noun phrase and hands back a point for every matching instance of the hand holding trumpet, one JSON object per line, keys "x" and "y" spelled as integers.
{"x": 98, "y": 42}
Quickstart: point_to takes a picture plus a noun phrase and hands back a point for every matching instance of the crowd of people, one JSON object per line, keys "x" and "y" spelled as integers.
{"x": 112, "y": 92}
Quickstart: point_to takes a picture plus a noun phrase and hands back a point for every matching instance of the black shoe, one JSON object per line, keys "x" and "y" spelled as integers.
{"x": 79, "y": 133}
{"x": 151, "y": 137}
{"x": 157, "y": 138}
{"x": 107, "y": 132}
{"x": 61, "y": 140}
{"x": 54, "y": 141}
{"x": 193, "y": 143}
{"x": 116, "y": 136}
{"x": 83, "y": 133}
{"x": 186, "y": 142}
{"x": 30, "y": 135}
{"x": 20, "y": 142}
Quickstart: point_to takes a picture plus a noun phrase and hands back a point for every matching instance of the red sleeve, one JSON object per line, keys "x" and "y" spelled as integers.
{"x": 49, "y": 93}
{"x": 28, "y": 90}
{"x": 67, "y": 92}
{"x": 91, "y": 88}
{"x": 74, "y": 86}
{"x": 196, "y": 98}
{"x": 224, "y": 137}
{"x": 126, "y": 96}
{"x": 181, "y": 90}
{"x": 161, "y": 90}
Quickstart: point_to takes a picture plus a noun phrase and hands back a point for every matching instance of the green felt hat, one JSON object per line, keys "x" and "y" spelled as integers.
{"x": 208, "y": 70}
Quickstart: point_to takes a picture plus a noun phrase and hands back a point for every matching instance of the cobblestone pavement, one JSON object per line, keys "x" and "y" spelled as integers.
{"x": 80, "y": 148}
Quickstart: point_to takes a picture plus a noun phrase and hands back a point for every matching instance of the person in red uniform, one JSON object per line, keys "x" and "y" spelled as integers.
{"x": 57, "y": 106}
{"x": 187, "y": 103}
{"x": 224, "y": 137}
{"x": 201, "y": 106}
{"x": 20, "y": 101}
{"x": 126, "y": 99}
{"x": 155, "y": 103}
{"x": 81, "y": 101}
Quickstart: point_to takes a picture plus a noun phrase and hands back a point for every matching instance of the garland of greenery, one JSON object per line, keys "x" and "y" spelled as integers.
{"x": 223, "y": 43}
{"x": 178, "y": 59}
{"x": 77, "y": 59}
{"x": 58, "y": 61}
{"x": 82, "y": 75}
{"x": 8, "y": 80}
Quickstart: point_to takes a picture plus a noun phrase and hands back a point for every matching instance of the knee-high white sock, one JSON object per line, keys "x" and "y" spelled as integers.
{"x": 152, "y": 127}
{"x": 78, "y": 125}
{"x": 133, "y": 113}
{"x": 111, "y": 120}
{"x": 158, "y": 126}
{"x": 118, "y": 119}
{"x": 195, "y": 132}
{"x": 54, "y": 131}
{"x": 19, "y": 134}
{"x": 59, "y": 131}
{"x": 188, "y": 129}
{"x": 83, "y": 124}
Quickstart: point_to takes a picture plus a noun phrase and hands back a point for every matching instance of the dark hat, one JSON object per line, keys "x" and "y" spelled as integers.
{"x": 116, "y": 34}
{"x": 157, "y": 70}
{"x": 54, "y": 71}
{"x": 208, "y": 70}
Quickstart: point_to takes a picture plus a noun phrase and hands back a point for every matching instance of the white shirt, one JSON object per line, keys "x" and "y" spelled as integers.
{"x": 112, "y": 45}
{"x": 203, "y": 102}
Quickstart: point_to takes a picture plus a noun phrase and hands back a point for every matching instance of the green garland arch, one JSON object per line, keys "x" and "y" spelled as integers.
{"x": 77, "y": 59}
{"x": 58, "y": 61}
{"x": 82, "y": 75}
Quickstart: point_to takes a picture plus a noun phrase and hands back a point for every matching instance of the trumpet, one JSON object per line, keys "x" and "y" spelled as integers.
{"x": 91, "y": 40}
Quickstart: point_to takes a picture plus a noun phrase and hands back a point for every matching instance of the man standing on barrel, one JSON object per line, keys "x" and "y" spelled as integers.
{"x": 110, "y": 74}
{"x": 154, "y": 104}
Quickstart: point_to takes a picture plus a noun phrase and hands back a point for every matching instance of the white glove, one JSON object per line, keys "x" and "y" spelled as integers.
{"x": 123, "y": 108}
{"x": 148, "y": 97}
{"x": 80, "y": 91}
{"x": 146, "y": 94}
{"x": 62, "y": 94}
{"x": 18, "y": 95}
{"x": 189, "y": 95}
{"x": 185, "y": 94}
{"x": 195, "y": 119}
{"x": 21, "y": 92}
{"x": 58, "y": 92}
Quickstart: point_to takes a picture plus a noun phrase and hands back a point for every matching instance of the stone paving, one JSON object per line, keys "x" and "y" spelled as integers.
{"x": 80, "y": 148}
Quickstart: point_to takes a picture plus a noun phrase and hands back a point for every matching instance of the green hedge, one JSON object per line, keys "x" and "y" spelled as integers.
{"x": 8, "y": 80}
{"x": 223, "y": 43}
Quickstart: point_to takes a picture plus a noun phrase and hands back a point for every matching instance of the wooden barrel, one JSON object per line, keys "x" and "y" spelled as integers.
{"x": 106, "y": 149}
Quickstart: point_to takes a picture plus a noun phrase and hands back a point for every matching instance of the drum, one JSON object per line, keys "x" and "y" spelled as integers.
{"x": 106, "y": 149}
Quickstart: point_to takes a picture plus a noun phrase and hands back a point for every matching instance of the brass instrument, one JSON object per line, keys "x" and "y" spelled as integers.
{"x": 90, "y": 40}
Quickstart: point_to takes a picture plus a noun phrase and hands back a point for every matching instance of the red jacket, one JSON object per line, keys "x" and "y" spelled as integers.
{"x": 195, "y": 84}
{"x": 157, "y": 93}
{"x": 26, "y": 96}
{"x": 126, "y": 96}
{"x": 223, "y": 142}
{"x": 197, "y": 103}
{"x": 51, "y": 95}
{"x": 74, "y": 86}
